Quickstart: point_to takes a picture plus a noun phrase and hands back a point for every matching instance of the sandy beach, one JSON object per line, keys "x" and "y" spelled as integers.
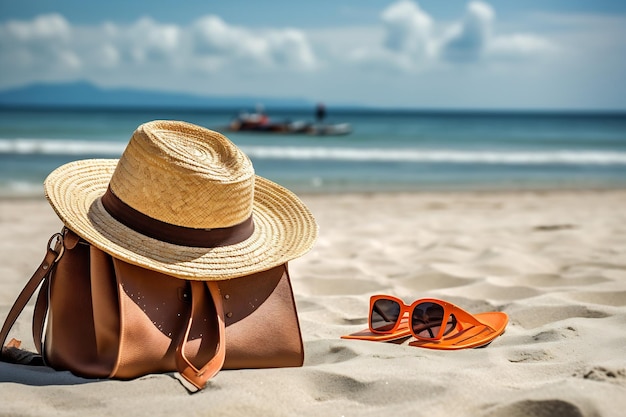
{"x": 554, "y": 261}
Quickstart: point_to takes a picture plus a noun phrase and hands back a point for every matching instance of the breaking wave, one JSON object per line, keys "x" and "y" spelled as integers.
{"x": 355, "y": 154}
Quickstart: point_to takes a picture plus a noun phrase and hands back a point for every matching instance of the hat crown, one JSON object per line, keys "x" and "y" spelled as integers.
{"x": 185, "y": 175}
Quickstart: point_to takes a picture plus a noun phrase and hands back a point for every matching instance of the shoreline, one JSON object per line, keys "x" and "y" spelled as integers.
{"x": 417, "y": 191}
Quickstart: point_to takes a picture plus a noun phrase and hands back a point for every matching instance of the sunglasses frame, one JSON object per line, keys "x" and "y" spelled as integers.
{"x": 406, "y": 312}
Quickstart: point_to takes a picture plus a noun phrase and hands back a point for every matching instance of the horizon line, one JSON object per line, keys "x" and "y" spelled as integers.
{"x": 343, "y": 108}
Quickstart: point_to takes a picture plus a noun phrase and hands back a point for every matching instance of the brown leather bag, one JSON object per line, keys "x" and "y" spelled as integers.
{"x": 100, "y": 317}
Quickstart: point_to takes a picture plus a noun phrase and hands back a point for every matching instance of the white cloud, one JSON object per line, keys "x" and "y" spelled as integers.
{"x": 414, "y": 41}
{"x": 471, "y": 37}
{"x": 211, "y": 36}
{"x": 49, "y": 47}
{"x": 215, "y": 41}
{"x": 147, "y": 40}
{"x": 291, "y": 48}
{"x": 44, "y": 42}
{"x": 519, "y": 45}
{"x": 50, "y": 27}
{"x": 408, "y": 29}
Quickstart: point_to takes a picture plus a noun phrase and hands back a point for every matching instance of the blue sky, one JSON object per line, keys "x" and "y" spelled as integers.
{"x": 497, "y": 54}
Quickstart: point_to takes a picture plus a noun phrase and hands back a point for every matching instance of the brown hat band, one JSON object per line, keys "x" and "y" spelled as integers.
{"x": 171, "y": 233}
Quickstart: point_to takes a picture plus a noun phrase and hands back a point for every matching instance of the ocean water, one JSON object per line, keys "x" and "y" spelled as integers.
{"x": 386, "y": 151}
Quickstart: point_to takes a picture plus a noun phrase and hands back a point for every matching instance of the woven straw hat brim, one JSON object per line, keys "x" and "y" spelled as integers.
{"x": 284, "y": 228}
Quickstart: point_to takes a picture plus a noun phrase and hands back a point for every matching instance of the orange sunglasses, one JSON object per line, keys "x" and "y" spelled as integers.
{"x": 436, "y": 324}
{"x": 426, "y": 319}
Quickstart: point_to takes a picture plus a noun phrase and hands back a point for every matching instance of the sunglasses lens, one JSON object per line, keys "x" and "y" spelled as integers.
{"x": 427, "y": 320}
{"x": 384, "y": 315}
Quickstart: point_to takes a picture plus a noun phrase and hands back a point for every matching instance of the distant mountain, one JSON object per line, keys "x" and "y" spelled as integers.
{"x": 85, "y": 94}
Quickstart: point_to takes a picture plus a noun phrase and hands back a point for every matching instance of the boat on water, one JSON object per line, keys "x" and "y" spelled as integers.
{"x": 260, "y": 123}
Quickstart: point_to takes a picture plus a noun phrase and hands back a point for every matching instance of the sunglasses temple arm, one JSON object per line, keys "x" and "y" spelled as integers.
{"x": 465, "y": 317}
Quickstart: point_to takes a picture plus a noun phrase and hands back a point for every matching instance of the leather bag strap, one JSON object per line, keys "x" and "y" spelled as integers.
{"x": 41, "y": 274}
{"x": 39, "y": 315}
{"x": 199, "y": 377}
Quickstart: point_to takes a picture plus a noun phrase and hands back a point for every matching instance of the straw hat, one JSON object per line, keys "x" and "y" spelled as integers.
{"x": 182, "y": 200}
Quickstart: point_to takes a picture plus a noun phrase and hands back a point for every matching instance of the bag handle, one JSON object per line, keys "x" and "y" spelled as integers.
{"x": 41, "y": 274}
{"x": 199, "y": 377}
